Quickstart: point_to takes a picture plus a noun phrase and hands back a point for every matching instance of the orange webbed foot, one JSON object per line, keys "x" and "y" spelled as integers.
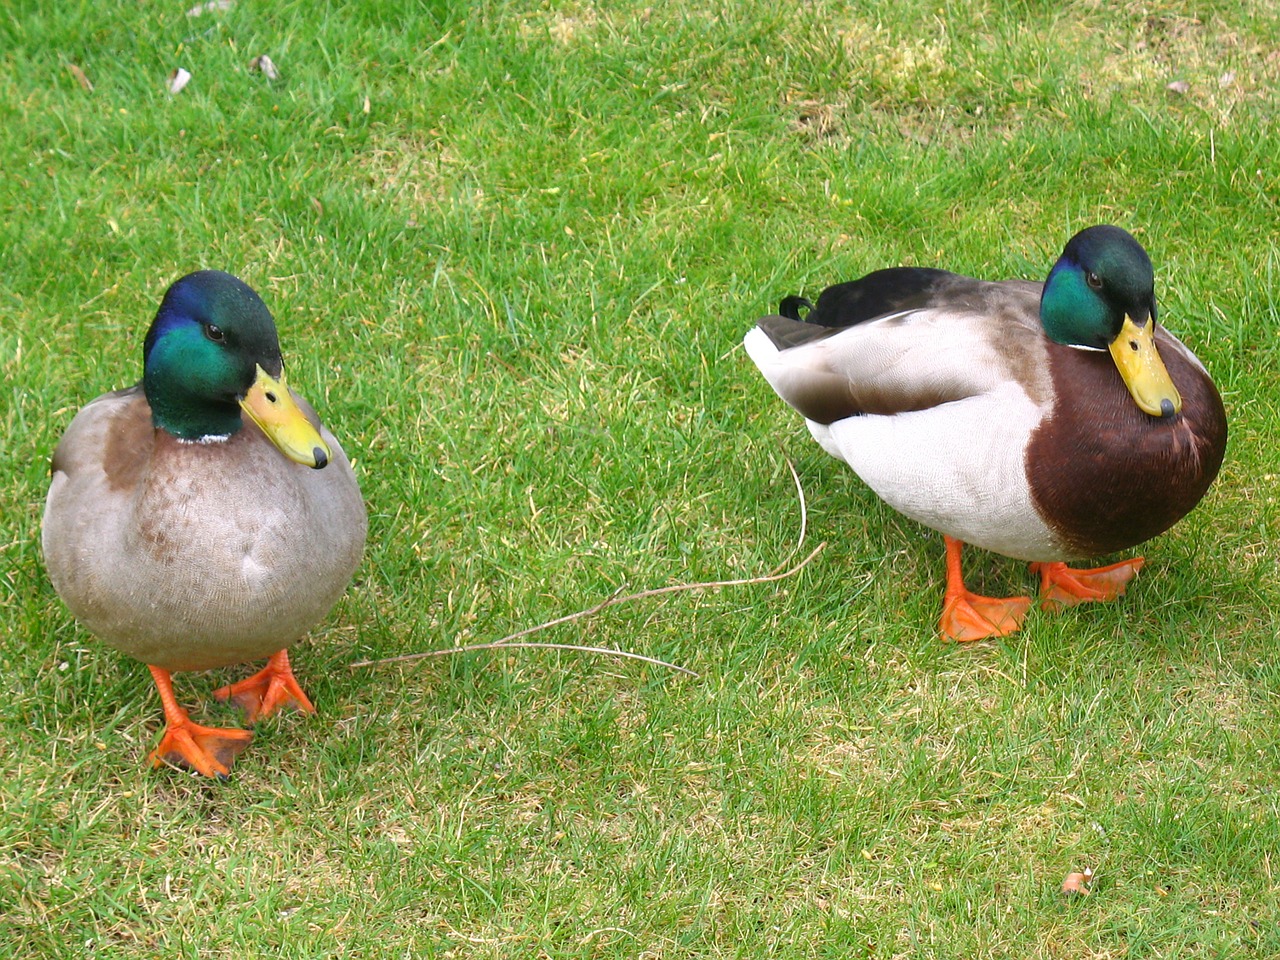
{"x": 967, "y": 616}
{"x": 1061, "y": 586}
{"x": 207, "y": 750}
{"x": 271, "y": 688}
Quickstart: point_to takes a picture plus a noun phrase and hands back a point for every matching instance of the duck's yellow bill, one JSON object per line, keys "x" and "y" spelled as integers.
{"x": 1135, "y": 355}
{"x": 270, "y": 405}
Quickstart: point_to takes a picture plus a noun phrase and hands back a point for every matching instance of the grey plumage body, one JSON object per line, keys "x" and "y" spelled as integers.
{"x": 194, "y": 555}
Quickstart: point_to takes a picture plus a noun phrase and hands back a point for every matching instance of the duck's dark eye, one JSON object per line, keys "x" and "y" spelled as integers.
{"x": 1093, "y": 280}
{"x": 215, "y": 333}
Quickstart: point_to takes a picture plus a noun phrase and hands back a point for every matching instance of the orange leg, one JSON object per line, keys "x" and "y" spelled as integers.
{"x": 207, "y": 750}
{"x": 268, "y": 690}
{"x": 1061, "y": 586}
{"x": 967, "y": 616}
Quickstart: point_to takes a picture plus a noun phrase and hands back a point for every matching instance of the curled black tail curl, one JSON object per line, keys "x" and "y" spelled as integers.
{"x": 790, "y": 307}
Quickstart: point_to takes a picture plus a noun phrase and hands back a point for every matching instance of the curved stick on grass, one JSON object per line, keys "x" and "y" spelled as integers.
{"x": 804, "y": 515}
{"x": 609, "y": 602}
{"x": 503, "y": 645}
{"x": 615, "y": 599}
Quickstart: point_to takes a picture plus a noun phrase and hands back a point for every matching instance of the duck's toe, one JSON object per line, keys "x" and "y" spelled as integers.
{"x": 188, "y": 745}
{"x": 1061, "y": 586}
{"x": 272, "y": 687}
{"x": 967, "y": 616}
{"x": 208, "y": 750}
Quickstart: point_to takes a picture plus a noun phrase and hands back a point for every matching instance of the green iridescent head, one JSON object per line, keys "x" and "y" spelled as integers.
{"x": 212, "y": 355}
{"x": 1101, "y": 295}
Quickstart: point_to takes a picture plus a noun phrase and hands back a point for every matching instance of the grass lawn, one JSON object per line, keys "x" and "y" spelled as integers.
{"x": 512, "y": 249}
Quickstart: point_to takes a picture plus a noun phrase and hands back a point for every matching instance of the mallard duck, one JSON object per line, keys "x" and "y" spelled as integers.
{"x": 1046, "y": 422}
{"x": 204, "y": 517}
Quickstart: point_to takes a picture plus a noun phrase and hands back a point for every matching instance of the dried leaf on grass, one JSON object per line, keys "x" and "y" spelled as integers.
{"x": 266, "y": 66}
{"x": 178, "y": 79}
{"x": 85, "y": 83}
{"x": 211, "y": 6}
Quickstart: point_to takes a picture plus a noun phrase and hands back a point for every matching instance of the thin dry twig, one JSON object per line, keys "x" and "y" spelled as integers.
{"x": 609, "y": 602}
{"x": 615, "y": 599}
{"x": 570, "y": 617}
{"x": 804, "y": 516}
{"x": 504, "y": 645}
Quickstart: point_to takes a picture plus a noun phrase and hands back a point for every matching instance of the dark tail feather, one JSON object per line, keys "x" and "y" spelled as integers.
{"x": 790, "y": 307}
